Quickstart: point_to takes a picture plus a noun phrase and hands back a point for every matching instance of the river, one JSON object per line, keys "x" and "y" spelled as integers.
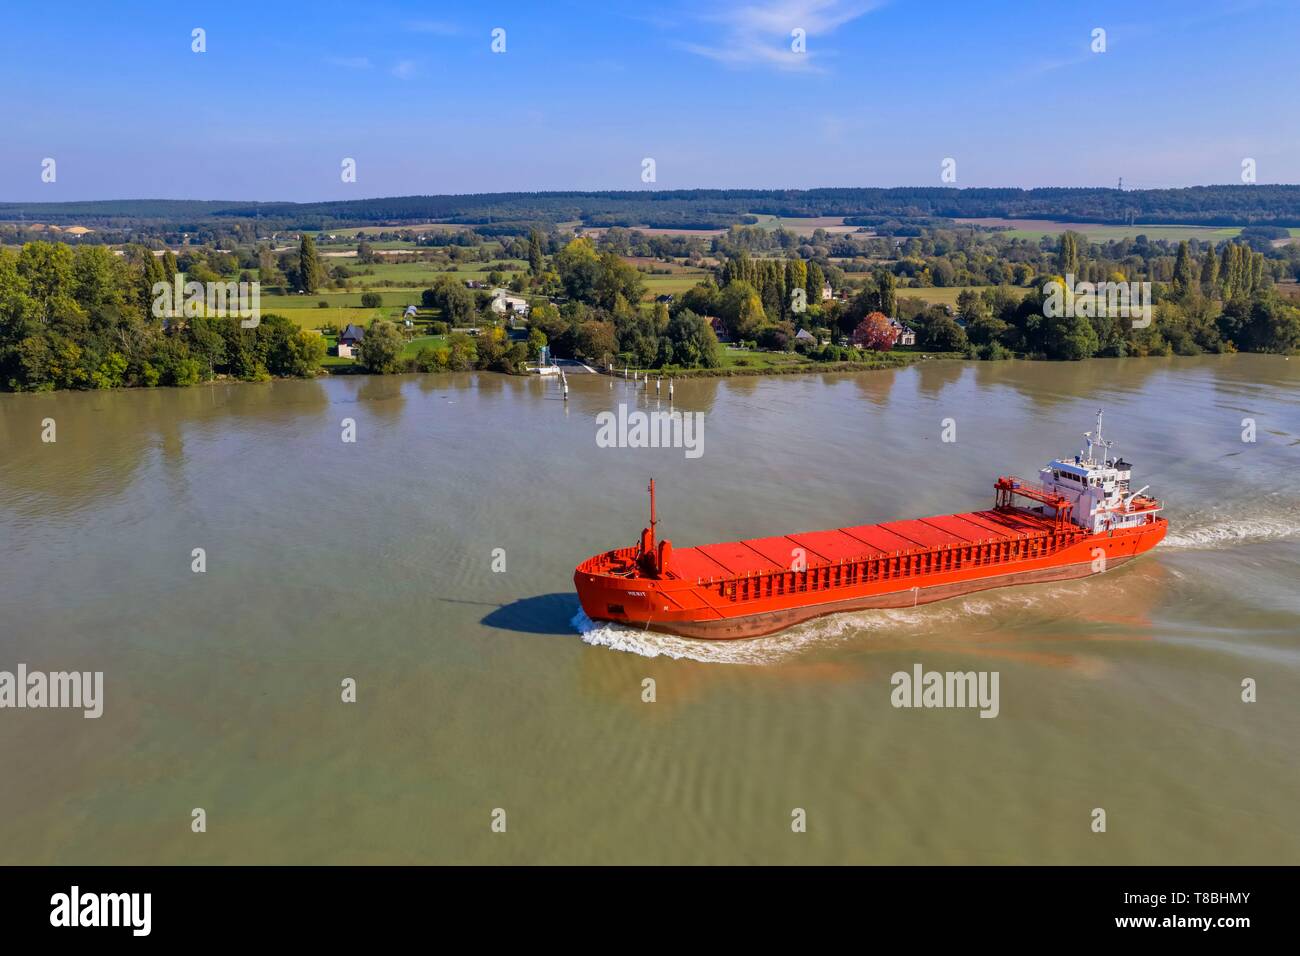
{"x": 430, "y": 561}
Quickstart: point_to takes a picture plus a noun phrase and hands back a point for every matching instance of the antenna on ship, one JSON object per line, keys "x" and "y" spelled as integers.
{"x": 1094, "y": 438}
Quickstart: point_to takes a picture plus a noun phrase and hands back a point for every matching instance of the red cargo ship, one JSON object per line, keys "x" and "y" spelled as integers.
{"x": 1078, "y": 519}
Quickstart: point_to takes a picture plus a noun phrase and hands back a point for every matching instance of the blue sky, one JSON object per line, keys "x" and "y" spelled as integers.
{"x": 585, "y": 91}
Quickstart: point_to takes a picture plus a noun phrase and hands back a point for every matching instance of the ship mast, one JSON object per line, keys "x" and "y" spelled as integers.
{"x": 653, "y": 522}
{"x": 1094, "y": 438}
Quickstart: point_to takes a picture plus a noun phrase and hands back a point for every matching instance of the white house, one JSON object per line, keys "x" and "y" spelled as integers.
{"x": 503, "y": 302}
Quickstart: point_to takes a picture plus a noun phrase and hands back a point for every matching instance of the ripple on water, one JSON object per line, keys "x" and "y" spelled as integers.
{"x": 811, "y": 635}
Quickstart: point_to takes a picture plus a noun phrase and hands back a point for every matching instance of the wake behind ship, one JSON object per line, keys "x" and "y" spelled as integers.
{"x": 1079, "y": 518}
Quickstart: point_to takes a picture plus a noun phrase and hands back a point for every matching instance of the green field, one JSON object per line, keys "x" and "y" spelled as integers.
{"x": 413, "y": 227}
{"x": 737, "y": 358}
{"x": 344, "y": 307}
{"x": 947, "y": 295}
{"x": 421, "y": 341}
{"x": 1111, "y": 233}
{"x": 1035, "y": 229}
{"x": 421, "y": 274}
{"x": 740, "y": 358}
{"x": 392, "y": 298}
{"x": 410, "y": 350}
{"x": 674, "y": 284}
{"x": 315, "y": 318}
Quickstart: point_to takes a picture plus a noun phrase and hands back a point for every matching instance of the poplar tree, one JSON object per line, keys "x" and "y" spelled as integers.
{"x": 1210, "y": 272}
{"x": 1229, "y": 271}
{"x": 1185, "y": 271}
{"x": 536, "y": 258}
{"x": 309, "y": 267}
{"x": 886, "y": 296}
{"x": 816, "y": 279}
{"x": 777, "y": 285}
{"x": 796, "y": 277}
{"x": 1067, "y": 257}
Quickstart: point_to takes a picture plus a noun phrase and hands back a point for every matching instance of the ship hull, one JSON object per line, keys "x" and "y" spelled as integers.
{"x": 770, "y": 622}
{"x": 757, "y": 602}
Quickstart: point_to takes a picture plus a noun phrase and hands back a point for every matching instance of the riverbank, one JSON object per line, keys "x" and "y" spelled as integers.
{"x": 882, "y": 360}
{"x": 877, "y": 361}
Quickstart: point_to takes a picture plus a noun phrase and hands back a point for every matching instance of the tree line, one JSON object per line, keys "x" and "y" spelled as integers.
{"x": 85, "y": 319}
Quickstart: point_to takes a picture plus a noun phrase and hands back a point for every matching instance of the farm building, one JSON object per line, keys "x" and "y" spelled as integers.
{"x": 503, "y": 302}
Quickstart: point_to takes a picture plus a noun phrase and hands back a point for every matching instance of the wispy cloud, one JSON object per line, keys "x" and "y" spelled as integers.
{"x": 1081, "y": 51}
{"x": 404, "y": 69}
{"x": 1043, "y": 67}
{"x": 760, "y": 33}
{"x": 349, "y": 62}
{"x": 439, "y": 27}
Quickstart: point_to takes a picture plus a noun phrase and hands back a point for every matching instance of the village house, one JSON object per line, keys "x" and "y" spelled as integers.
{"x": 827, "y": 292}
{"x": 803, "y": 335}
{"x": 719, "y": 328}
{"x": 349, "y": 338}
{"x": 903, "y": 335}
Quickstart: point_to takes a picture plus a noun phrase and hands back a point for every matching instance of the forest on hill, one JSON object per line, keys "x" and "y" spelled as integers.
{"x": 1225, "y": 205}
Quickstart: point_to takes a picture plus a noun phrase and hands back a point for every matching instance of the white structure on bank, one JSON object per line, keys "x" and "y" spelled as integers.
{"x": 503, "y": 302}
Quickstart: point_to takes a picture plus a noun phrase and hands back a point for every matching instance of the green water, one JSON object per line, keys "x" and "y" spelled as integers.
{"x": 373, "y": 560}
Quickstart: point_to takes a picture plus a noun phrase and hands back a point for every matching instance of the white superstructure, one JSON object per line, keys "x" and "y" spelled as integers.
{"x": 1097, "y": 484}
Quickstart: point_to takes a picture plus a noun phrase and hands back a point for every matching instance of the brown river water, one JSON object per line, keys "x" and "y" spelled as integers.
{"x": 480, "y": 689}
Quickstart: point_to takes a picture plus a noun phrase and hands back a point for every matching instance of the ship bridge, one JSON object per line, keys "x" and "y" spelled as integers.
{"x": 1096, "y": 485}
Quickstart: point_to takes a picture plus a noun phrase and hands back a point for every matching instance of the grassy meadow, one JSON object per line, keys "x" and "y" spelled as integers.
{"x": 1100, "y": 232}
{"x": 947, "y": 295}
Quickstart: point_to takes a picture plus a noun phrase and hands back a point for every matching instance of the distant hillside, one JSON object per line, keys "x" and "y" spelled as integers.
{"x": 713, "y": 208}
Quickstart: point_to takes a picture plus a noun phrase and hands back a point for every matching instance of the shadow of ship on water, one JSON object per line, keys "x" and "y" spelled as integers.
{"x": 541, "y": 614}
